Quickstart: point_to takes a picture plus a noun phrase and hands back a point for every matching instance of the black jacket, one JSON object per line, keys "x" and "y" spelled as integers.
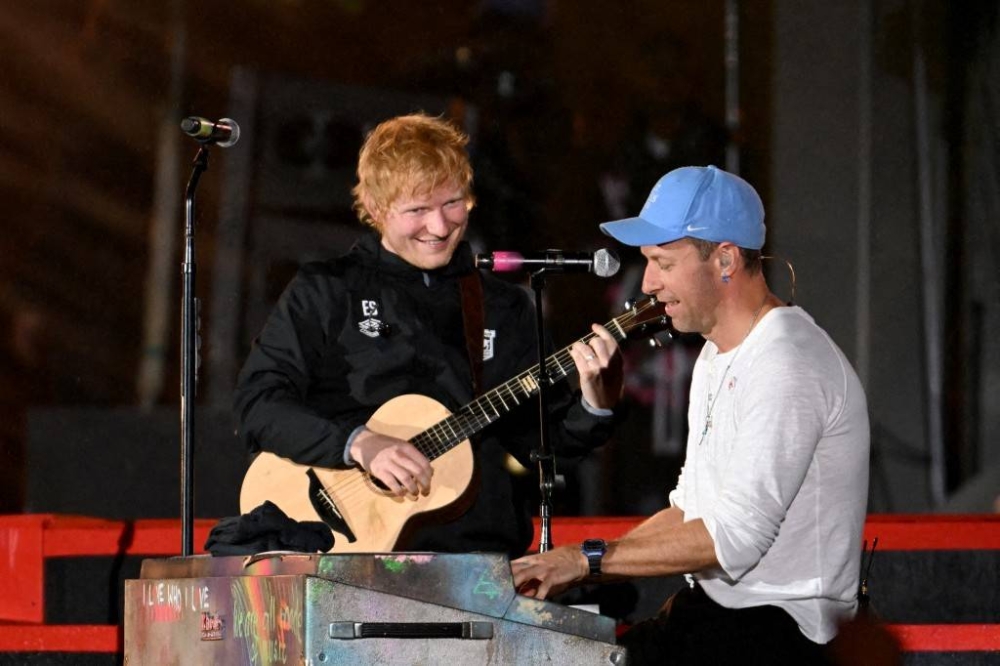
{"x": 349, "y": 334}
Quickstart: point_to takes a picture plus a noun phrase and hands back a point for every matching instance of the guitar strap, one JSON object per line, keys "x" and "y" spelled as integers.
{"x": 475, "y": 322}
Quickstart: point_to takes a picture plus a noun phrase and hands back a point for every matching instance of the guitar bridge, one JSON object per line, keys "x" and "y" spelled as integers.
{"x": 327, "y": 509}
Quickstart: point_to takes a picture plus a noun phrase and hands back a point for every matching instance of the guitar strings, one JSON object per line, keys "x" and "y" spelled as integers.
{"x": 435, "y": 441}
{"x": 469, "y": 422}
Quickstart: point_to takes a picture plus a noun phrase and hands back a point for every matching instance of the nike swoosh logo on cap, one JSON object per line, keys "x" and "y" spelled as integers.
{"x": 693, "y": 228}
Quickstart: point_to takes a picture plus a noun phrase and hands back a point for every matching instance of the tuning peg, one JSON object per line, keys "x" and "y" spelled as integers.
{"x": 635, "y": 300}
{"x": 660, "y": 339}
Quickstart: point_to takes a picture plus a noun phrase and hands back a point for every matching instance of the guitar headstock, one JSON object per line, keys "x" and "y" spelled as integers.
{"x": 645, "y": 318}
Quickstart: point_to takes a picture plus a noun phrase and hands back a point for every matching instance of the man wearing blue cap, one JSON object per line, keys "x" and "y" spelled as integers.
{"x": 766, "y": 518}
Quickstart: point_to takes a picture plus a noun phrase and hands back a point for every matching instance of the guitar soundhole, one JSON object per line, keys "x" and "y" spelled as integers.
{"x": 327, "y": 509}
{"x": 378, "y": 484}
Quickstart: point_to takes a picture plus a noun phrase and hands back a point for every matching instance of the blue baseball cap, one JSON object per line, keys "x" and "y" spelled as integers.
{"x": 695, "y": 202}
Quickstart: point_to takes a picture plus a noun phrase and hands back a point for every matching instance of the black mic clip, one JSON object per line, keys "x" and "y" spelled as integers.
{"x": 224, "y": 133}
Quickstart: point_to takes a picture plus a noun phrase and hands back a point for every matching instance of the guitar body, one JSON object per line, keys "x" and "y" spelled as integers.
{"x": 364, "y": 518}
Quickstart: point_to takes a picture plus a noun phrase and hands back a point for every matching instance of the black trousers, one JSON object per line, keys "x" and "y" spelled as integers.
{"x": 693, "y": 629}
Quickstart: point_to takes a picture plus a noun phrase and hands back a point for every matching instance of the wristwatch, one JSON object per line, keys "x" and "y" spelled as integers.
{"x": 593, "y": 550}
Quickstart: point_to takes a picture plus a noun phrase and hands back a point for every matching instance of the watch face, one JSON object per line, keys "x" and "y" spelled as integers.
{"x": 594, "y": 550}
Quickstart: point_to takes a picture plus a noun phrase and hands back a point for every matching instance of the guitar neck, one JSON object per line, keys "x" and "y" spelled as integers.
{"x": 494, "y": 404}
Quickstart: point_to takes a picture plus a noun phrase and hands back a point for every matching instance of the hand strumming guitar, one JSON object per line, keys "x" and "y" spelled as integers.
{"x": 395, "y": 462}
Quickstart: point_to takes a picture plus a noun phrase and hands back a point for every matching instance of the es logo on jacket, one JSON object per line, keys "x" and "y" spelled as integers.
{"x": 371, "y": 326}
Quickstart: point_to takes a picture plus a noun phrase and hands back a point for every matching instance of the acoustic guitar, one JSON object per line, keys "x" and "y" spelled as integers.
{"x": 364, "y": 516}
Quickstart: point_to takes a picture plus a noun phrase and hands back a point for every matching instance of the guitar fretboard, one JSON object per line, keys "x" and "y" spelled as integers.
{"x": 494, "y": 404}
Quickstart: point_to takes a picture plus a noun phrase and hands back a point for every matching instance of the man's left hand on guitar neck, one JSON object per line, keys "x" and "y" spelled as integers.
{"x": 599, "y": 363}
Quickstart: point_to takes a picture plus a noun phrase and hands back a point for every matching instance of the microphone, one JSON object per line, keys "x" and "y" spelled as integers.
{"x": 223, "y": 133}
{"x": 602, "y": 263}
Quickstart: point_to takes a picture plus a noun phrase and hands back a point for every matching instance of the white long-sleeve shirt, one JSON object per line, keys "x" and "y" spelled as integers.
{"x": 780, "y": 475}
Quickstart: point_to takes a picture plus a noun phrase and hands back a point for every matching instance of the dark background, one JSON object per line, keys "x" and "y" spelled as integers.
{"x": 869, "y": 129}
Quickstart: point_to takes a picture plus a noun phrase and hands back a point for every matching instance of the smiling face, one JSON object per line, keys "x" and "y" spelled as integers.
{"x": 415, "y": 188}
{"x": 685, "y": 283}
{"x": 425, "y": 229}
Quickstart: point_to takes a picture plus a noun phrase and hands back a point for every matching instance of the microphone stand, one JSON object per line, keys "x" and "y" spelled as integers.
{"x": 189, "y": 356}
{"x": 544, "y": 456}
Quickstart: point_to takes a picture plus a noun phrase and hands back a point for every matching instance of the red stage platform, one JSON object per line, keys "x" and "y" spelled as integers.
{"x": 29, "y": 543}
